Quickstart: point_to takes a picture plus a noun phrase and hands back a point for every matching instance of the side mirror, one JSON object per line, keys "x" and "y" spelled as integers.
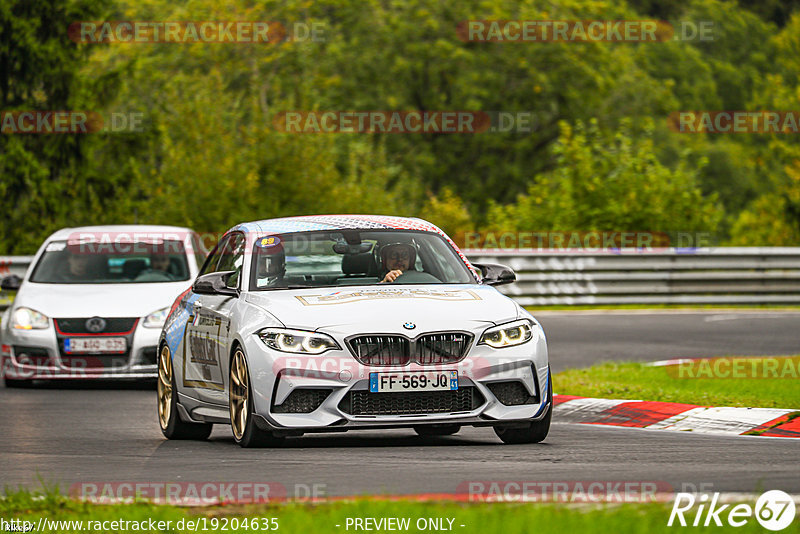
{"x": 495, "y": 275}
{"x": 215, "y": 284}
{"x": 11, "y": 283}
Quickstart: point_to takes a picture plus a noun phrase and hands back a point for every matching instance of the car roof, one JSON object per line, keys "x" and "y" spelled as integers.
{"x": 65, "y": 233}
{"x": 310, "y": 223}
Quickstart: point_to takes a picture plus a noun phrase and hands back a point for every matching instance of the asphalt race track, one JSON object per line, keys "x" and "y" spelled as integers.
{"x": 582, "y": 339}
{"x": 100, "y": 433}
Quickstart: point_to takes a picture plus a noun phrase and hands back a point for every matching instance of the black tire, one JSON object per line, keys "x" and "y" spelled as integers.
{"x": 17, "y": 383}
{"x": 175, "y": 427}
{"x": 436, "y": 430}
{"x": 535, "y": 431}
{"x": 252, "y": 436}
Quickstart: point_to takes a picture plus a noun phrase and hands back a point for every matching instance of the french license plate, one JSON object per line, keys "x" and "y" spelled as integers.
{"x": 413, "y": 381}
{"x": 73, "y": 345}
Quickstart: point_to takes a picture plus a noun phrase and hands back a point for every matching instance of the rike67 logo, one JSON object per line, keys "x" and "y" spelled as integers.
{"x": 774, "y": 510}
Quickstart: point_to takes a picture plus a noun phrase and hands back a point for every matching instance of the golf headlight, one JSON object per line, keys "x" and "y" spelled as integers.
{"x": 28, "y": 319}
{"x": 297, "y": 341}
{"x": 156, "y": 319}
{"x": 508, "y": 335}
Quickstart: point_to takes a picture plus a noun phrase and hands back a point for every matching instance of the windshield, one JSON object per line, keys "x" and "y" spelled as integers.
{"x": 111, "y": 263}
{"x": 354, "y": 257}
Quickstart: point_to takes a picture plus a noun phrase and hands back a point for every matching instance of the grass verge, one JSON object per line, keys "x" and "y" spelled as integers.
{"x": 483, "y": 518}
{"x": 713, "y": 383}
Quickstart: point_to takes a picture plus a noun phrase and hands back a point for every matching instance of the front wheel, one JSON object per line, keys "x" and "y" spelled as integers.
{"x": 535, "y": 431}
{"x": 168, "y": 418}
{"x": 245, "y": 431}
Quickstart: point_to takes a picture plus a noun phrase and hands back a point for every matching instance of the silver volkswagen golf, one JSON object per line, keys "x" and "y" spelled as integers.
{"x": 93, "y": 302}
{"x": 338, "y": 323}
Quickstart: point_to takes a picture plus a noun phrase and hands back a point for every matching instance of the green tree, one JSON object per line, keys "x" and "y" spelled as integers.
{"x": 42, "y": 181}
{"x": 610, "y": 183}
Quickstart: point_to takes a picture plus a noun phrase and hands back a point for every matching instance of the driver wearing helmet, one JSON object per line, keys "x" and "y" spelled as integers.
{"x": 271, "y": 264}
{"x": 396, "y": 258}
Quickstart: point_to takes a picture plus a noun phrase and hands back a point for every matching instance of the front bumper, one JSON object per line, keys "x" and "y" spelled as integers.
{"x": 35, "y": 355}
{"x": 276, "y": 376}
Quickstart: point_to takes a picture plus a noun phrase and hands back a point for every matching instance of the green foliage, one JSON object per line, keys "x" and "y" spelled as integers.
{"x": 610, "y": 182}
{"x": 599, "y": 154}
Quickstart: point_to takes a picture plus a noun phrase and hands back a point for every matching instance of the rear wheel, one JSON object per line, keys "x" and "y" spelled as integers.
{"x": 245, "y": 431}
{"x": 535, "y": 431}
{"x": 436, "y": 430}
{"x": 168, "y": 418}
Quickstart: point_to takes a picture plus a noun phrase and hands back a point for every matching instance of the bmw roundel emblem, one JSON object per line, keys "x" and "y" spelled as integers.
{"x": 409, "y": 326}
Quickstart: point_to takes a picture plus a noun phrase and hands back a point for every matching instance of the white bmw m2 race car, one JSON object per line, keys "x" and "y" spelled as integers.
{"x": 338, "y": 323}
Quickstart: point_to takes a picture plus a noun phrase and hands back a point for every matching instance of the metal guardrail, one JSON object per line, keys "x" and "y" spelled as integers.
{"x": 12, "y": 265}
{"x": 724, "y": 275}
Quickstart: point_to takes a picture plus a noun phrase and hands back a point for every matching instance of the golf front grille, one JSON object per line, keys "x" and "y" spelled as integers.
{"x": 302, "y": 401}
{"x": 396, "y": 350}
{"x": 463, "y": 399}
{"x": 512, "y": 393}
{"x": 110, "y": 325}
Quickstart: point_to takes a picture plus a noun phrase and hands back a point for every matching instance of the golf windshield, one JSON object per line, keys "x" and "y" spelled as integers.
{"x": 114, "y": 263}
{"x": 355, "y": 257}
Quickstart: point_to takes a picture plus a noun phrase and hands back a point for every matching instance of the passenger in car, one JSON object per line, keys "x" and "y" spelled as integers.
{"x": 160, "y": 262}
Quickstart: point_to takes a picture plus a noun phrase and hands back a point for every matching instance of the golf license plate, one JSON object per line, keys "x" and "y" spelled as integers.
{"x": 413, "y": 381}
{"x": 73, "y": 345}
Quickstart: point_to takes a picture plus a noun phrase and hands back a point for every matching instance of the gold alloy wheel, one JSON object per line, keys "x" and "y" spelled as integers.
{"x": 239, "y": 394}
{"x": 164, "y": 387}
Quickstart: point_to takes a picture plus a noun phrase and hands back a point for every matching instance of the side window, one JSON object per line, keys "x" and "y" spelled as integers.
{"x": 232, "y": 258}
{"x": 212, "y": 260}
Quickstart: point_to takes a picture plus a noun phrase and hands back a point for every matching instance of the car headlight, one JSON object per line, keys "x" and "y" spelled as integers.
{"x": 156, "y": 319}
{"x": 297, "y": 341}
{"x": 28, "y": 319}
{"x": 508, "y": 335}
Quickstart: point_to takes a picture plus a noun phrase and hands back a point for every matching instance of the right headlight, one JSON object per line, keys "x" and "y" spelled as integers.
{"x": 508, "y": 335}
{"x": 28, "y": 319}
{"x": 297, "y": 341}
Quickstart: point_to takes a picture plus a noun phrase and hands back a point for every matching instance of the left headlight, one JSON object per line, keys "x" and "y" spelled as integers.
{"x": 156, "y": 319}
{"x": 297, "y": 341}
{"x": 508, "y": 335}
{"x": 28, "y": 319}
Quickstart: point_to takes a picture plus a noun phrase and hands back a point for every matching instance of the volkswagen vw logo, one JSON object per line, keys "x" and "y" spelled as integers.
{"x": 95, "y": 324}
{"x": 409, "y": 326}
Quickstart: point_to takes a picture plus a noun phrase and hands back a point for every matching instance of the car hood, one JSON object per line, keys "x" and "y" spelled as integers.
{"x": 102, "y": 300}
{"x": 387, "y": 309}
